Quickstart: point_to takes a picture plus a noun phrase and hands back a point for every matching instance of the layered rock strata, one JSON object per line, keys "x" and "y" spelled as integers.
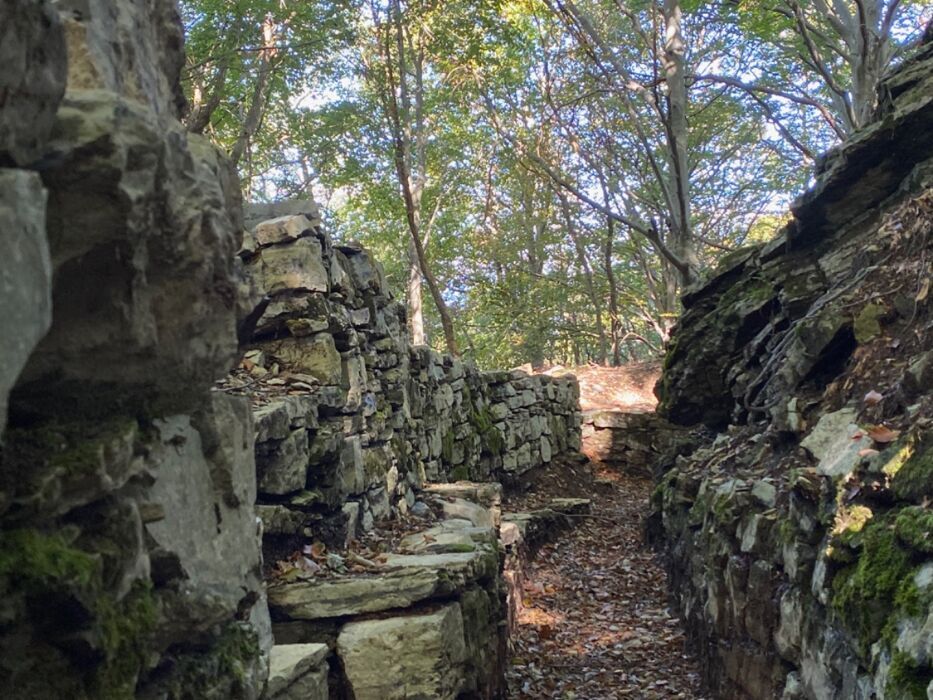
{"x": 798, "y": 533}
{"x": 129, "y": 551}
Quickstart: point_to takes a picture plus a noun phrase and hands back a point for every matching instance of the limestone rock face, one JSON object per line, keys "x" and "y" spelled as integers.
{"x": 130, "y": 558}
{"x": 139, "y": 233}
{"x": 797, "y": 537}
{"x": 132, "y": 50}
{"x": 25, "y": 273}
{"x": 32, "y": 53}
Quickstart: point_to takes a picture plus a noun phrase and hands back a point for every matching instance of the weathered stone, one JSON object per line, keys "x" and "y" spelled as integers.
{"x": 298, "y": 672}
{"x": 134, "y": 51}
{"x": 315, "y": 355}
{"x": 282, "y": 466}
{"x": 769, "y": 348}
{"x": 284, "y": 229}
{"x": 205, "y": 484}
{"x": 417, "y": 656}
{"x": 25, "y": 270}
{"x": 407, "y": 579}
{"x": 836, "y": 442}
{"x": 32, "y": 53}
{"x": 170, "y": 240}
{"x": 294, "y": 267}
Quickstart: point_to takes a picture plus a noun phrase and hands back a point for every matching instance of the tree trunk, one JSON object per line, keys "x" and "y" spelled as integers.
{"x": 615, "y": 324}
{"x": 412, "y": 194}
{"x": 257, "y": 103}
{"x": 673, "y": 63}
{"x": 415, "y": 304}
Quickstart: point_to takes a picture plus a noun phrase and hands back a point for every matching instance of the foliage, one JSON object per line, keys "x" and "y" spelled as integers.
{"x": 544, "y": 179}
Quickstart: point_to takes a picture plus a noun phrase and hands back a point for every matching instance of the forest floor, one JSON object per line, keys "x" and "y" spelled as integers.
{"x": 626, "y": 388}
{"x": 596, "y": 623}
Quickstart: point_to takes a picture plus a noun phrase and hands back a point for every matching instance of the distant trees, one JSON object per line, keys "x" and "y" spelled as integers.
{"x": 555, "y": 172}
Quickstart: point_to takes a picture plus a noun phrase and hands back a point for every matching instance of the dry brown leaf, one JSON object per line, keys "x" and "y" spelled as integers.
{"x": 923, "y": 291}
{"x": 883, "y": 434}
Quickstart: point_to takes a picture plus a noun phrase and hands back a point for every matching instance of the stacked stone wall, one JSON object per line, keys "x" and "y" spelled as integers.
{"x": 351, "y": 419}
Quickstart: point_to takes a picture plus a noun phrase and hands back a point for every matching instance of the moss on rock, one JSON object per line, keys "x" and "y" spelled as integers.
{"x": 220, "y": 671}
{"x": 870, "y": 593}
{"x": 914, "y": 527}
{"x": 906, "y": 680}
{"x": 123, "y": 629}
{"x": 866, "y": 325}
{"x": 913, "y": 479}
{"x": 38, "y": 562}
{"x": 490, "y": 438}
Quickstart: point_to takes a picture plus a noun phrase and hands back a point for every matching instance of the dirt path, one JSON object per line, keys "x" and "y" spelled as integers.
{"x": 596, "y": 623}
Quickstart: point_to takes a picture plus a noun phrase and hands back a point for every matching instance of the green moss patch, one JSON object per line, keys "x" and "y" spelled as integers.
{"x": 906, "y": 680}
{"x": 914, "y": 527}
{"x": 873, "y": 592}
{"x": 123, "y": 630}
{"x": 913, "y": 480}
{"x": 47, "y": 569}
{"x": 73, "y": 448}
{"x": 226, "y": 663}
{"x": 490, "y": 438}
{"x": 867, "y": 325}
{"x": 36, "y": 562}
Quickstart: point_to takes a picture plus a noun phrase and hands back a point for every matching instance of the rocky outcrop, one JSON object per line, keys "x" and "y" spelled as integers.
{"x": 351, "y": 420}
{"x": 798, "y": 532}
{"x": 129, "y": 555}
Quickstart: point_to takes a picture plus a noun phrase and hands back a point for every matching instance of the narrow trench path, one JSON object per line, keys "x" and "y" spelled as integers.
{"x": 596, "y": 623}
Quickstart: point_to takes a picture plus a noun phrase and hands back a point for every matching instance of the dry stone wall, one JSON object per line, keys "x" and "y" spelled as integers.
{"x": 129, "y": 546}
{"x": 351, "y": 420}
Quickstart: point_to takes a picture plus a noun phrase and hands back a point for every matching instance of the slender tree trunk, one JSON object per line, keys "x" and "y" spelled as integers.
{"x": 673, "y": 63}
{"x": 205, "y": 104}
{"x": 257, "y": 103}
{"x": 415, "y": 305}
{"x": 402, "y": 148}
{"x": 615, "y": 325}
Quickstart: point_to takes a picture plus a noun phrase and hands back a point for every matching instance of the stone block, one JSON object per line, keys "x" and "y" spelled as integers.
{"x": 282, "y": 466}
{"x": 408, "y": 579}
{"x": 416, "y": 656}
{"x": 298, "y": 672}
{"x": 296, "y": 266}
{"x": 283, "y": 229}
